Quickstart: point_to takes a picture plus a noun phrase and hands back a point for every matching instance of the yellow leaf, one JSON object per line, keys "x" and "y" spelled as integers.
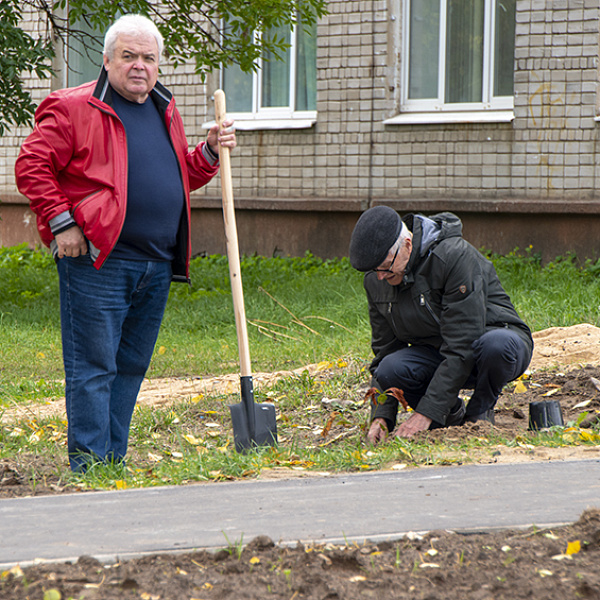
{"x": 41, "y": 355}
{"x": 254, "y": 560}
{"x": 323, "y": 365}
{"x": 52, "y": 594}
{"x": 190, "y": 439}
{"x": 551, "y": 392}
{"x": 342, "y": 363}
{"x": 197, "y": 399}
{"x": 162, "y": 350}
{"x": 520, "y": 387}
{"x": 16, "y": 571}
{"x": 545, "y": 573}
{"x": 121, "y": 484}
{"x": 573, "y": 547}
{"x": 207, "y": 586}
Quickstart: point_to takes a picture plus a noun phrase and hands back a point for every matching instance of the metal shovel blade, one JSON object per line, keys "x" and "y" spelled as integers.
{"x": 254, "y": 424}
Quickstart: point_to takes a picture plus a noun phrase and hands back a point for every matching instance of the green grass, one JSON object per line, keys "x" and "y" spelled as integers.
{"x": 300, "y": 311}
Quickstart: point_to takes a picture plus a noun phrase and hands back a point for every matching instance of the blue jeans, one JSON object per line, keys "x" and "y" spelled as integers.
{"x": 110, "y": 321}
{"x": 500, "y": 356}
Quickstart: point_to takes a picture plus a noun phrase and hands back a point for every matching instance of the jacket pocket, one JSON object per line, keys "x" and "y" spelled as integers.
{"x": 97, "y": 214}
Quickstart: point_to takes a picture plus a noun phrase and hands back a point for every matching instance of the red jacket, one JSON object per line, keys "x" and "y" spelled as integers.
{"x": 74, "y": 166}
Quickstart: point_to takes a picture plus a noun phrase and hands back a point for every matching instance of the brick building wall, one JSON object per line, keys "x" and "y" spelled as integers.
{"x": 529, "y": 181}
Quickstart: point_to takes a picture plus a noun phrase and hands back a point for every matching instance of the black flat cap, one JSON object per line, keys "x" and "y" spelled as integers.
{"x": 375, "y": 233}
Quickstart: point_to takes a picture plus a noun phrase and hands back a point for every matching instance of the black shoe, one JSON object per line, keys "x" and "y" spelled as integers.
{"x": 488, "y": 415}
{"x": 456, "y": 417}
{"x": 457, "y": 414}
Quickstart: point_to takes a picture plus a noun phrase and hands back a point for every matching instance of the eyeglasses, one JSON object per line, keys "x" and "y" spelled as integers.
{"x": 389, "y": 269}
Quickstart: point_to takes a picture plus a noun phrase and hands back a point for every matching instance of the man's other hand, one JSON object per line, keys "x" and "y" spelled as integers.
{"x": 415, "y": 423}
{"x": 71, "y": 242}
{"x": 378, "y": 431}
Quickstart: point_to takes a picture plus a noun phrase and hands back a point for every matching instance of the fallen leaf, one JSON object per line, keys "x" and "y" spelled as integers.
{"x": 52, "y": 594}
{"x": 121, "y": 484}
{"x": 429, "y": 566}
{"x": 327, "y": 428}
{"x": 190, "y": 439}
{"x": 162, "y": 350}
{"x": 582, "y": 404}
{"x": 545, "y": 573}
{"x": 573, "y": 547}
{"x": 255, "y": 560}
{"x": 520, "y": 387}
{"x": 357, "y": 578}
{"x": 16, "y": 571}
{"x": 551, "y": 392}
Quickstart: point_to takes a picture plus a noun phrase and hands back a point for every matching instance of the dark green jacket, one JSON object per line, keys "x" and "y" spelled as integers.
{"x": 450, "y": 296}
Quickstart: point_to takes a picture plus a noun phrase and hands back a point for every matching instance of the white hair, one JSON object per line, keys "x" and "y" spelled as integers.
{"x": 131, "y": 25}
{"x": 405, "y": 233}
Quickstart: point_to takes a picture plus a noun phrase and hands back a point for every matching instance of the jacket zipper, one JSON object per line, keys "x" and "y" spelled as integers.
{"x": 423, "y": 302}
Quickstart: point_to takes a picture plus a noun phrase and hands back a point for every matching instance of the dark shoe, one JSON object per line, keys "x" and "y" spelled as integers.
{"x": 456, "y": 417}
{"x": 457, "y": 414}
{"x": 488, "y": 415}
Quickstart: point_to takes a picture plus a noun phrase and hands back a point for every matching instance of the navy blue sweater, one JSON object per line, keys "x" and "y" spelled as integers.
{"x": 155, "y": 195}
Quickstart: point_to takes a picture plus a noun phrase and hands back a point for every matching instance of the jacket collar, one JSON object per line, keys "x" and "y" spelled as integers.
{"x": 103, "y": 91}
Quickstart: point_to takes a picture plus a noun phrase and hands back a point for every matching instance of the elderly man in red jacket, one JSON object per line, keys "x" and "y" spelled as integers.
{"x": 108, "y": 172}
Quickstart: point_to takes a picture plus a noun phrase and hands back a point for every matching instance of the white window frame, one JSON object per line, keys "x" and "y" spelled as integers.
{"x": 285, "y": 117}
{"x": 490, "y": 109}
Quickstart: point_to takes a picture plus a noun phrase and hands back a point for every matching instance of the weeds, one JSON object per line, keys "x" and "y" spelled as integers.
{"x": 321, "y": 308}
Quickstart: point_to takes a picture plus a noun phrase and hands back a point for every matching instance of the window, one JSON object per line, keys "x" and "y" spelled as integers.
{"x": 84, "y": 54}
{"x": 460, "y": 55}
{"x": 280, "y": 93}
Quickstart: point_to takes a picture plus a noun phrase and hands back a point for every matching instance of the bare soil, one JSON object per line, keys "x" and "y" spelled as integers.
{"x": 553, "y": 564}
{"x": 550, "y": 565}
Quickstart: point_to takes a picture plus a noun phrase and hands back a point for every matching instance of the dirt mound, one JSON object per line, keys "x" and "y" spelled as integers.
{"x": 517, "y": 564}
{"x": 566, "y": 346}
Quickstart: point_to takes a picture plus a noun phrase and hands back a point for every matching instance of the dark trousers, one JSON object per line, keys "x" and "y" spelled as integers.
{"x": 500, "y": 356}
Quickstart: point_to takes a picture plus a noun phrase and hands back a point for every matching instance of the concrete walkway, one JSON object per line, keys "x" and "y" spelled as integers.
{"x": 341, "y": 508}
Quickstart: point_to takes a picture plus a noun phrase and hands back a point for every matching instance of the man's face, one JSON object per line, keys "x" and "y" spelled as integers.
{"x": 133, "y": 69}
{"x": 392, "y": 269}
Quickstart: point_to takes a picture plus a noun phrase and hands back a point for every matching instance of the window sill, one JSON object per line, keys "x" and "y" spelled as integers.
{"x": 424, "y": 118}
{"x": 262, "y": 124}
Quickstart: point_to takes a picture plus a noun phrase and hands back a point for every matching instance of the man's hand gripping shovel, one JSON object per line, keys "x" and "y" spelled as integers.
{"x": 253, "y": 424}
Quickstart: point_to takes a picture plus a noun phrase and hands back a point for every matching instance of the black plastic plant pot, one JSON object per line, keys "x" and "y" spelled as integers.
{"x": 544, "y": 414}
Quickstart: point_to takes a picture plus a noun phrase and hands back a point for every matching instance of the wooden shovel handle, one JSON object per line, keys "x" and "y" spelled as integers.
{"x": 233, "y": 251}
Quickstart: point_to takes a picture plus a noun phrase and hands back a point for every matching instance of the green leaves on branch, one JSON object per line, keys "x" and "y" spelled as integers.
{"x": 20, "y": 53}
{"x": 193, "y": 31}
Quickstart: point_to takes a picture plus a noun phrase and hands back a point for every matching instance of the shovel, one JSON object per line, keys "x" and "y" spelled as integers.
{"x": 253, "y": 424}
